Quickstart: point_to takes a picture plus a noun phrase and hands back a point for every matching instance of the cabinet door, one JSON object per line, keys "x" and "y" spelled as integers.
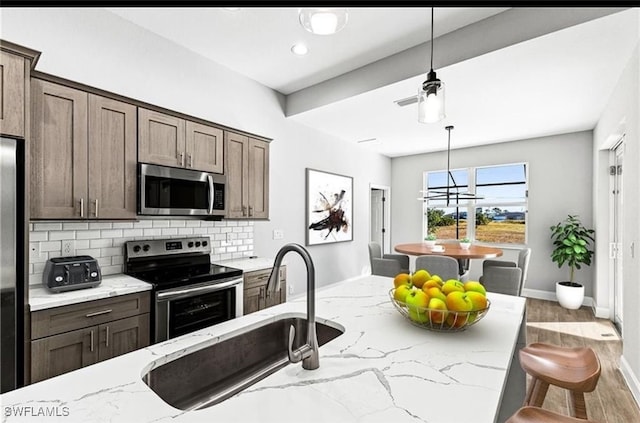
{"x": 236, "y": 168}
{"x": 258, "y": 179}
{"x": 11, "y": 94}
{"x": 123, "y": 336}
{"x": 112, "y": 158}
{"x": 63, "y": 353}
{"x": 254, "y": 299}
{"x": 161, "y": 138}
{"x": 204, "y": 148}
{"x": 58, "y": 152}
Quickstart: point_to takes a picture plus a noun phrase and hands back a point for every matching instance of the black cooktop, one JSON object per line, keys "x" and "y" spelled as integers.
{"x": 176, "y": 276}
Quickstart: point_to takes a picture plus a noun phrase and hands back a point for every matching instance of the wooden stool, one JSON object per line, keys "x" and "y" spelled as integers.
{"x": 574, "y": 369}
{"x": 539, "y": 415}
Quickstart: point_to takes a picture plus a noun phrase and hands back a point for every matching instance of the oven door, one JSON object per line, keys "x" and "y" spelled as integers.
{"x": 189, "y": 308}
{"x": 171, "y": 191}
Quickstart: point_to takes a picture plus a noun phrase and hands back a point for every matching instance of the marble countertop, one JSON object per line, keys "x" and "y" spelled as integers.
{"x": 41, "y": 298}
{"x": 381, "y": 369}
{"x": 248, "y": 264}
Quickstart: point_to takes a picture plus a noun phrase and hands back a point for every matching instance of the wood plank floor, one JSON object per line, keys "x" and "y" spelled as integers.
{"x": 611, "y": 402}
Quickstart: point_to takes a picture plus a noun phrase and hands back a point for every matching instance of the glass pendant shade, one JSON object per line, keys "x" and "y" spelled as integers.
{"x": 323, "y": 21}
{"x": 431, "y": 100}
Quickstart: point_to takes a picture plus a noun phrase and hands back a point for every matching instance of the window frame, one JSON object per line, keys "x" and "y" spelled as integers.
{"x": 470, "y": 206}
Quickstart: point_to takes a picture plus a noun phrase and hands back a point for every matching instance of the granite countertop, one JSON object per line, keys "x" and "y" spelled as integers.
{"x": 41, "y": 298}
{"x": 381, "y": 369}
{"x": 248, "y": 264}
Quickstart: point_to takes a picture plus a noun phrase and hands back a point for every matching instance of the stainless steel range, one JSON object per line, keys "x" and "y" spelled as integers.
{"x": 190, "y": 293}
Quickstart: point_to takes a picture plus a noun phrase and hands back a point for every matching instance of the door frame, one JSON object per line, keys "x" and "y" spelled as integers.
{"x": 386, "y": 248}
{"x": 615, "y": 250}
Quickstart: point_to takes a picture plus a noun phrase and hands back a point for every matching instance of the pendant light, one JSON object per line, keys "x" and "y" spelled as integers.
{"x": 452, "y": 191}
{"x": 431, "y": 95}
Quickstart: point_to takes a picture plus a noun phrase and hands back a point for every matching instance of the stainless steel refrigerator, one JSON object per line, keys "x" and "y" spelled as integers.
{"x": 12, "y": 274}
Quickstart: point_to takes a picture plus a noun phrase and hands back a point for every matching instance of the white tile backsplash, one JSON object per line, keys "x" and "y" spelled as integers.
{"x": 105, "y": 240}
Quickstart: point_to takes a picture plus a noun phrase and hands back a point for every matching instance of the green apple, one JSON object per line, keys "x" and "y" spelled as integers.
{"x": 401, "y": 292}
{"x": 417, "y": 301}
{"x": 475, "y": 286}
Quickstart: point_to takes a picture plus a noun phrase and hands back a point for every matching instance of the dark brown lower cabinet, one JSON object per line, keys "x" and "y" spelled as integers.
{"x": 256, "y": 296}
{"x": 59, "y": 351}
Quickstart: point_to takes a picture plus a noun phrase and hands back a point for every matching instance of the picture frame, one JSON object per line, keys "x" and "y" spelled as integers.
{"x": 329, "y": 207}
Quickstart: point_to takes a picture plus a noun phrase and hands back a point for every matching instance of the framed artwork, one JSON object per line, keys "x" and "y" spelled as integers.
{"x": 329, "y": 207}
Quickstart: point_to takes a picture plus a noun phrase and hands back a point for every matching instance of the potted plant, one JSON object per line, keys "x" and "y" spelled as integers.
{"x": 571, "y": 241}
{"x": 465, "y": 243}
{"x": 430, "y": 240}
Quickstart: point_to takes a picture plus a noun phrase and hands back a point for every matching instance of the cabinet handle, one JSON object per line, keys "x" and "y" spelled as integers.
{"x": 190, "y": 160}
{"x": 96, "y": 212}
{"x": 82, "y": 207}
{"x": 261, "y": 292}
{"x": 181, "y": 159}
{"x": 97, "y": 313}
{"x": 91, "y": 347}
{"x": 250, "y": 211}
{"x": 244, "y": 210}
{"x": 106, "y": 342}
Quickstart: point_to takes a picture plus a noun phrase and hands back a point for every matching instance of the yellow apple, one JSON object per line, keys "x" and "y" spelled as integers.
{"x": 434, "y": 292}
{"x": 417, "y": 301}
{"x": 452, "y": 285}
{"x": 438, "y": 310}
{"x": 402, "y": 279}
{"x": 475, "y": 286}
{"x": 420, "y": 277}
{"x": 401, "y": 292}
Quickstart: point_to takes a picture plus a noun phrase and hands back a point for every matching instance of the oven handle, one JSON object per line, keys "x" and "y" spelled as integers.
{"x": 211, "y": 193}
{"x": 189, "y": 292}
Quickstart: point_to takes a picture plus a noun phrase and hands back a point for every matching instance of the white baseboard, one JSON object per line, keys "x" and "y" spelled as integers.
{"x": 539, "y": 294}
{"x": 630, "y": 378}
{"x": 602, "y": 312}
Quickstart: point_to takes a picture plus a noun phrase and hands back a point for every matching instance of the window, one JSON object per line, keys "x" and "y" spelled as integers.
{"x": 496, "y": 214}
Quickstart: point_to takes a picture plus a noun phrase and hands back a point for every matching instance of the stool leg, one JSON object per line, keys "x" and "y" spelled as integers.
{"x": 529, "y": 395}
{"x": 539, "y": 392}
{"x": 577, "y": 405}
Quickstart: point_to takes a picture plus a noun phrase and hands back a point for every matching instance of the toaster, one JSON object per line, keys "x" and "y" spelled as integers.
{"x": 70, "y": 273}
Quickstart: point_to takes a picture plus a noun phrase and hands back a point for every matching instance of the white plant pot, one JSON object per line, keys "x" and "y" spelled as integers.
{"x": 570, "y": 294}
{"x": 465, "y": 245}
{"x": 430, "y": 244}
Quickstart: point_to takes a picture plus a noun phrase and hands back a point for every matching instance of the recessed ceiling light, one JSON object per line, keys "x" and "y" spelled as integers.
{"x": 299, "y": 49}
{"x": 323, "y": 21}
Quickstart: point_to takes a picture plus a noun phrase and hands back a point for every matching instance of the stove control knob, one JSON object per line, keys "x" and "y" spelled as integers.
{"x": 136, "y": 248}
{"x": 145, "y": 247}
{"x": 204, "y": 243}
{"x": 190, "y": 244}
{"x": 197, "y": 243}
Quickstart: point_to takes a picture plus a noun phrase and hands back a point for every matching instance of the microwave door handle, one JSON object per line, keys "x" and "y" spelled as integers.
{"x": 211, "y": 193}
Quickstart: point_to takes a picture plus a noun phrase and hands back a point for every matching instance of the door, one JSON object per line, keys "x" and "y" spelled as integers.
{"x": 236, "y": 169}
{"x": 58, "y": 354}
{"x": 112, "y": 158}
{"x": 618, "y": 224}
{"x": 204, "y": 146}
{"x": 59, "y": 157}
{"x": 161, "y": 138}
{"x": 379, "y": 217}
{"x": 258, "y": 182}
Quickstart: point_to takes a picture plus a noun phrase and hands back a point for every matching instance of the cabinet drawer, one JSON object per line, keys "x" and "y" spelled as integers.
{"x": 67, "y": 318}
{"x": 261, "y": 277}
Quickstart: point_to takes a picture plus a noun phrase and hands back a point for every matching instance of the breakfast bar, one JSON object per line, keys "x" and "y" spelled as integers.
{"x": 382, "y": 368}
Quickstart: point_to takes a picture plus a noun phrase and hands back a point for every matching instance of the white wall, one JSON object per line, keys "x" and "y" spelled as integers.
{"x": 559, "y": 184}
{"x": 100, "y": 49}
{"x": 621, "y": 115}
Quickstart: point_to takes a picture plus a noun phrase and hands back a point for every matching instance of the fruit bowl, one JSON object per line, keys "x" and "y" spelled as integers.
{"x": 439, "y": 320}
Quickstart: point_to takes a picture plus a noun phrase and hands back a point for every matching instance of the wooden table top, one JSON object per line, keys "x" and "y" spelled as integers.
{"x": 450, "y": 250}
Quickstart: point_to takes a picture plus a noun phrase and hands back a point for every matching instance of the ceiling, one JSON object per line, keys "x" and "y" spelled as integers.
{"x": 537, "y": 85}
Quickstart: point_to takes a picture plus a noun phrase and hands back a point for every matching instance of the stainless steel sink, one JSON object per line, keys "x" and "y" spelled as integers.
{"x": 209, "y": 376}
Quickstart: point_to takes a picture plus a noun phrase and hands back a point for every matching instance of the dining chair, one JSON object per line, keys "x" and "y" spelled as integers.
{"x": 504, "y": 278}
{"x": 443, "y": 266}
{"x": 463, "y": 264}
{"x": 387, "y": 264}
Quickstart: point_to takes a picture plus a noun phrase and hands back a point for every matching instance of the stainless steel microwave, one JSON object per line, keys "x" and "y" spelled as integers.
{"x": 169, "y": 191}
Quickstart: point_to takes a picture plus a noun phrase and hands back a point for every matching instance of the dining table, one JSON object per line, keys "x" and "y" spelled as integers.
{"x": 453, "y": 250}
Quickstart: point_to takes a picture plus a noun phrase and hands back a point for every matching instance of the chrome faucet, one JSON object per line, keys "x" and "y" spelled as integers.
{"x": 308, "y": 353}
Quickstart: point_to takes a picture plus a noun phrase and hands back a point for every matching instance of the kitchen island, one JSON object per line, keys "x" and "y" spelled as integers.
{"x": 381, "y": 369}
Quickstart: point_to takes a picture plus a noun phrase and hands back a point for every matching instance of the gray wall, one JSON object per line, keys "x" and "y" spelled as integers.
{"x": 100, "y": 49}
{"x": 559, "y": 184}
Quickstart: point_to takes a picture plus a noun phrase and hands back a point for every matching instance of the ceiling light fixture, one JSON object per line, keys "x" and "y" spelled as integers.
{"x": 299, "y": 49}
{"x": 323, "y": 21}
{"x": 431, "y": 94}
{"x": 452, "y": 192}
